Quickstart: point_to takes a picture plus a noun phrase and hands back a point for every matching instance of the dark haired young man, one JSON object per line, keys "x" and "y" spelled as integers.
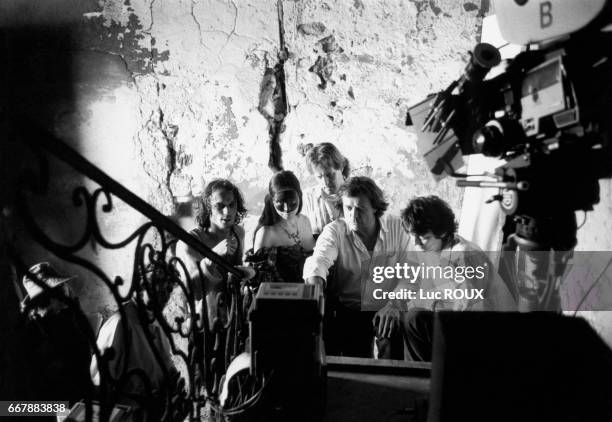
{"x": 452, "y": 267}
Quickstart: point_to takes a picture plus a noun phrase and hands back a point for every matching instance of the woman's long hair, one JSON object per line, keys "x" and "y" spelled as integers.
{"x": 283, "y": 180}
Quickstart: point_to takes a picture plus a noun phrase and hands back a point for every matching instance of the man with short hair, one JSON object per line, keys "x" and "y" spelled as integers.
{"x": 331, "y": 169}
{"x": 362, "y": 239}
{"x": 457, "y": 266}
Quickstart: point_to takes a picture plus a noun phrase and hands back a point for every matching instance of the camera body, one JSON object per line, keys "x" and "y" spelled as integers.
{"x": 532, "y": 21}
{"x": 547, "y": 114}
{"x": 286, "y": 348}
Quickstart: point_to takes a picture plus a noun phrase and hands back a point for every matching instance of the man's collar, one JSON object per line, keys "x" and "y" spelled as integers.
{"x": 320, "y": 193}
{"x": 382, "y": 223}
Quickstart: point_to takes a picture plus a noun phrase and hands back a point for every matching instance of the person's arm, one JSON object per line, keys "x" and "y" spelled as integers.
{"x": 316, "y": 281}
{"x": 263, "y": 238}
{"x": 191, "y": 259}
{"x": 111, "y": 335}
{"x": 306, "y": 236}
{"x": 405, "y": 255}
{"x": 323, "y": 257}
{"x": 387, "y": 319}
{"x": 203, "y": 273}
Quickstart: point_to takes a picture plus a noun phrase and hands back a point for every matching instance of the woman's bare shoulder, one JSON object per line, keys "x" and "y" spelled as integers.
{"x": 265, "y": 237}
{"x": 304, "y": 222}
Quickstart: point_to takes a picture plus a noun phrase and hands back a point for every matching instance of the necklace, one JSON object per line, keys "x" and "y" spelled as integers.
{"x": 293, "y": 236}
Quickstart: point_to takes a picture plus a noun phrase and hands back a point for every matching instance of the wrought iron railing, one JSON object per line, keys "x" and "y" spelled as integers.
{"x": 210, "y": 347}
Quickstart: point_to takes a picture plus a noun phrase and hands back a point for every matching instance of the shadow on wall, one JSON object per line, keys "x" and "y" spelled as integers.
{"x": 38, "y": 89}
{"x": 35, "y": 82}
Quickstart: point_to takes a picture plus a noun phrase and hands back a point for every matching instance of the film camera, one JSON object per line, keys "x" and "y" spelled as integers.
{"x": 547, "y": 115}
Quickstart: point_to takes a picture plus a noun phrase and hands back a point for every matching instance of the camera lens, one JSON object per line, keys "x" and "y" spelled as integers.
{"x": 484, "y": 58}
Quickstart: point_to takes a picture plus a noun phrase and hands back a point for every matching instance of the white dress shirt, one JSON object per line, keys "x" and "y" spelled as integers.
{"x": 353, "y": 281}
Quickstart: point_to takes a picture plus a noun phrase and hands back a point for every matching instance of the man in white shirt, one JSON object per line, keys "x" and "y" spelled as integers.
{"x": 357, "y": 244}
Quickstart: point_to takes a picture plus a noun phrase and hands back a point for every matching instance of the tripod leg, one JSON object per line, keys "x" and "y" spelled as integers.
{"x": 541, "y": 247}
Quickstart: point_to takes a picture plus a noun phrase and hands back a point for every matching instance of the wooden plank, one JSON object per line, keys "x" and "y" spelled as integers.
{"x": 378, "y": 366}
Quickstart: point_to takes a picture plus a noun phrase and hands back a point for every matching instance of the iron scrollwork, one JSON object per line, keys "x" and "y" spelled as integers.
{"x": 155, "y": 270}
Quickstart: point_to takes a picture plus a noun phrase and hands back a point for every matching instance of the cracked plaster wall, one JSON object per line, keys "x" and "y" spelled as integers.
{"x": 199, "y": 90}
{"x": 164, "y": 95}
{"x": 356, "y": 66}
